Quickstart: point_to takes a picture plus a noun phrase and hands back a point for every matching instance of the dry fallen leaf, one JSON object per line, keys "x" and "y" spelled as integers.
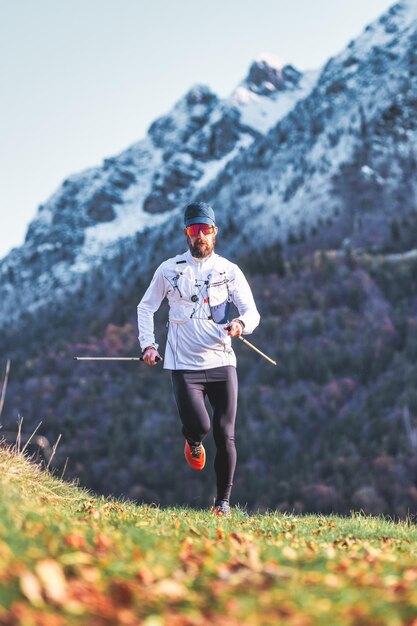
{"x": 53, "y": 581}
{"x": 31, "y": 588}
{"x": 170, "y": 589}
{"x": 75, "y": 541}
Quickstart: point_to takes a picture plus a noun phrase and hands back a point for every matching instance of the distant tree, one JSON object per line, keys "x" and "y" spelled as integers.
{"x": 395, "y": 230}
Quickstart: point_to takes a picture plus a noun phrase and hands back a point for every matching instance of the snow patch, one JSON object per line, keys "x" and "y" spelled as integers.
{"x": 130, "y": 216}
{"x": 272, "y": 60}
{"x": 400, "y": 17}
{"x": 214, "y": 167}
{"x": 263, "y": 112}
{"x": 370, "y": 174}
{"x": 402, "y": 256}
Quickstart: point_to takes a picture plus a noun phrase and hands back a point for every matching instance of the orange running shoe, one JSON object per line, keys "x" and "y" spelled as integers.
{"x": 222, "y": 508}
{"x": 195, "y": 455}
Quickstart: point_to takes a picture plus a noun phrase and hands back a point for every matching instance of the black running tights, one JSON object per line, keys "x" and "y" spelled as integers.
{"x": 220, "y": 386}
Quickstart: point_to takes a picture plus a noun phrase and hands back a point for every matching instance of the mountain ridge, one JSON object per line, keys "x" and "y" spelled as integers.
{"x": 95, "y": 212}
{"x": 287, "y": 184}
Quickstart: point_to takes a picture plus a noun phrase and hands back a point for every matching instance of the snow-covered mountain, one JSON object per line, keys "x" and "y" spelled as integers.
{"x": 316, "y": 158}
{"x": 95, "y": 212}
{"x": 342, "y": 164}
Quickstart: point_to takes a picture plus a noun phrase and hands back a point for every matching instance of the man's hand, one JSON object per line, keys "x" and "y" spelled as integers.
{"x": 151, "y": 356}
{"x": 234, "y": 328}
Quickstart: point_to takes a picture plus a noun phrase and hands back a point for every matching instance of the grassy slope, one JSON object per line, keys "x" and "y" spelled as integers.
{"x": 67, "y": 557}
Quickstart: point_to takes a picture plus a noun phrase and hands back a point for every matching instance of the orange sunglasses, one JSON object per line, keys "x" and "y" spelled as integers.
{"x": 195, "y": 229}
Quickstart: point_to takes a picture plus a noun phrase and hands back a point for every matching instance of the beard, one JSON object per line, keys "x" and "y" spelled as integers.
{"x": 201, "y": 248}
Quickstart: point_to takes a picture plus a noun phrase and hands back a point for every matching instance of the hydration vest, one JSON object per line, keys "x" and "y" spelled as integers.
{"x": 184, "y": 295}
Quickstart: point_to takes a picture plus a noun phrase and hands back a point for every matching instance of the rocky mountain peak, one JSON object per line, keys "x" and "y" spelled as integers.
{"x": 268, "y": 74}
{"x": 188, "y": 115}
{"x": 200, "y": 95}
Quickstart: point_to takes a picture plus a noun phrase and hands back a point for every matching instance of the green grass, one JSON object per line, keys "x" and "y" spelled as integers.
{"x": 69, "y": 557}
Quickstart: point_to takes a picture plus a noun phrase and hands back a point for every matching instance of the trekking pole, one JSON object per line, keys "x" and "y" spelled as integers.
{"x": 248, "y": 343}
{"x": 111, "y": 358}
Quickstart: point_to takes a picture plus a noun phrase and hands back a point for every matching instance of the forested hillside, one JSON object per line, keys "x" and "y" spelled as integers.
{"x": 331, "y": 428}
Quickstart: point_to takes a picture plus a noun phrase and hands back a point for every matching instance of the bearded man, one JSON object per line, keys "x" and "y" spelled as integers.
{"x": 200, "y": 285}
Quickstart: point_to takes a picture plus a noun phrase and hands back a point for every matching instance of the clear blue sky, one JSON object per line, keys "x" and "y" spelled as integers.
{"x": 83, "y": 79}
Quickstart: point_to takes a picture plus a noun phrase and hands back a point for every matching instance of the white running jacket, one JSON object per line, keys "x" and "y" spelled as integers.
{"x": 199, "y": 293}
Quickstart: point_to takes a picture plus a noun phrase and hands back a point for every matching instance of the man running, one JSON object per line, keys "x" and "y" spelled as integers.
{"x": 200, "y": 285}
